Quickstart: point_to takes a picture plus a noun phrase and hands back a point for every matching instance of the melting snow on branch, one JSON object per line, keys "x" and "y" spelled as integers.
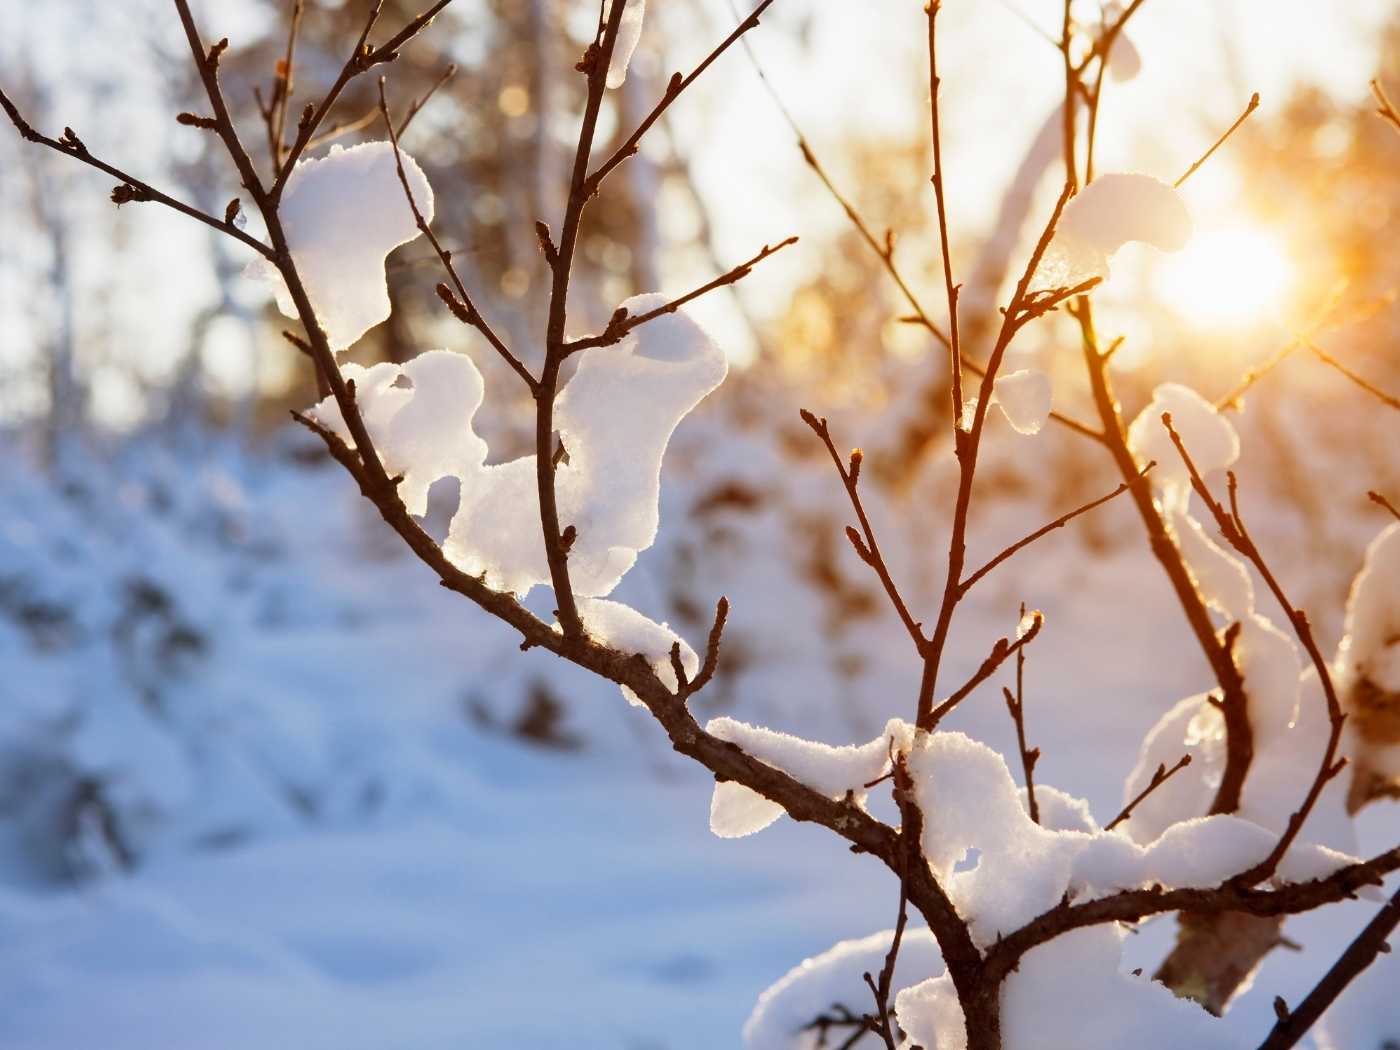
{"x": 1070, "y": 992}
{"x": 615, "y": 419}
{"x": 343, "y": 214}
{"x": 736, "y": 811}
{"x": 419, "y": 416}
{"x": 1207, "y": 435}
{"x": 1368, "y": 669}
{"x": 783, "y": 1016}
{"x": 1024, "y": 398}
{"x": 1106, "y": 214}
{"x": 625, "y": 629}
{"x": 629, "y": 32}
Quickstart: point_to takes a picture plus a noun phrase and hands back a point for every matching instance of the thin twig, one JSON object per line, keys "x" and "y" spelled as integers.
{"x": 1058, "y": 523}
{"x": 1023, "y": 308}
{"x": 951, "y": 289}
{"x": 1381, "y": 501}
{"x": 71, "y": 146}
{"x": 362, "y": 58}
{"x": 1003, "y": 648}
{"x": 1293, "y": 1024}
{"x": 1364, "y": 384}
{"x": 868, "y": 549}
{"x": 1232, "y": 527}
{"x": 1017, "y": 707}
{"x": 462, "y": 308}
{"x": 1253, "y": 105}
{"x": 674, "y": 88}
{"x": 622, "y": 322}
{"x": 1160, "y": 777}
{"x": 1385, "y": 109}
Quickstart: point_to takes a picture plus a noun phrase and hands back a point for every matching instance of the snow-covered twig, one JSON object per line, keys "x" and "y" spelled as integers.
{"x": 1233, "y": 528}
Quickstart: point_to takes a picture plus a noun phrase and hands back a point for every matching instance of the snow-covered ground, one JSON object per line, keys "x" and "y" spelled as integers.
{"x": 219, "y": 667}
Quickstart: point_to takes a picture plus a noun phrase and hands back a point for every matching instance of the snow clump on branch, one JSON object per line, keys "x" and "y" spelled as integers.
{"x": 629, "y": 32}
{"x": 615, "y": 419}
{"x": 1105, "y": 215}
{"x": 343, "y": 214}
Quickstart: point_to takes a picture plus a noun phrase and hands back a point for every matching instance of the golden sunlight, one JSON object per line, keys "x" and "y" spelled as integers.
{"x": 1234, "y": 276}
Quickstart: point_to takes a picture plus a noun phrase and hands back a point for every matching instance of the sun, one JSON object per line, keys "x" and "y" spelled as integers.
{"x": 1227, "y": 277}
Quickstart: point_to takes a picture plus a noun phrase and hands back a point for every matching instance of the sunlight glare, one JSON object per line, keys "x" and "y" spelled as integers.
{"x": 1232, "y": 276}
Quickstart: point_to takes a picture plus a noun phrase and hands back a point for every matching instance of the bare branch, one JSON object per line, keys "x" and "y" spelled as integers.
{"x": 1381, "y": 501}
{"x": 1058, "y": 523}
{"x": 463, "y": 309}
{"x": 1004, "y": 648}
{"x": 954, "y": 347}
{"x": 1160, "y": 777}
{"x": 1017, "y": 707}
{"x": 1370, "y": 388}
{"x": 622, "y": 322}
{"x": 1253, "y": 105}
{"x": 1370, "y": 942}
{"x": 71, "y": 146}
{"x": 1232, "y": 527}
{"x": 867, "y": 549}
{"x": 362, "y": 58}
{"x": 674, "y": 88}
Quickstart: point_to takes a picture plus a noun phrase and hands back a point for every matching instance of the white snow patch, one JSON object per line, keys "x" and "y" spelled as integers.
{"x": 810, "y": 989}
{"x": 736, "y": 811}
{"x": 1070, "y": 992}
{"x": 343, "y": 214}
{"x": 629, "y": 32}
{"x": 624, "y": 628}
{"x": 615, "y": 419}
{"x": 1208, "y": 436}
{"x": 1025, "y": 398}
{"x": 1105, "y": 215}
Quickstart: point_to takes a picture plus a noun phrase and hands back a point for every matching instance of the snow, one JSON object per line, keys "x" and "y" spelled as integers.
{"x": 629, "y": 32}
{"x": 736, "y": 811}
{"x": 615, "y": 418}
{"x": 1071, "y": 992}
{"x": 419, "y": 416}
{"x": 1024, "y": 397}
{"x": 1207, "y": 435}
{"x": 1368, "y": 664}
{"x": 1022, "y": 869}
{"x": 782, "y": 1017}
{"x": 1221, "y": 577}
{"x": 1105, "y": 215}
{"x": 1124, "y": 60}
{"x": 343, "y": 214}
{"x": 336, "y": 831}
{"x": 622, "y": 627}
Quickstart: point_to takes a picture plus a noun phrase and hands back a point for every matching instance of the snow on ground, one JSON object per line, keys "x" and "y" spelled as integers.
{"x": 218, "y": 659}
